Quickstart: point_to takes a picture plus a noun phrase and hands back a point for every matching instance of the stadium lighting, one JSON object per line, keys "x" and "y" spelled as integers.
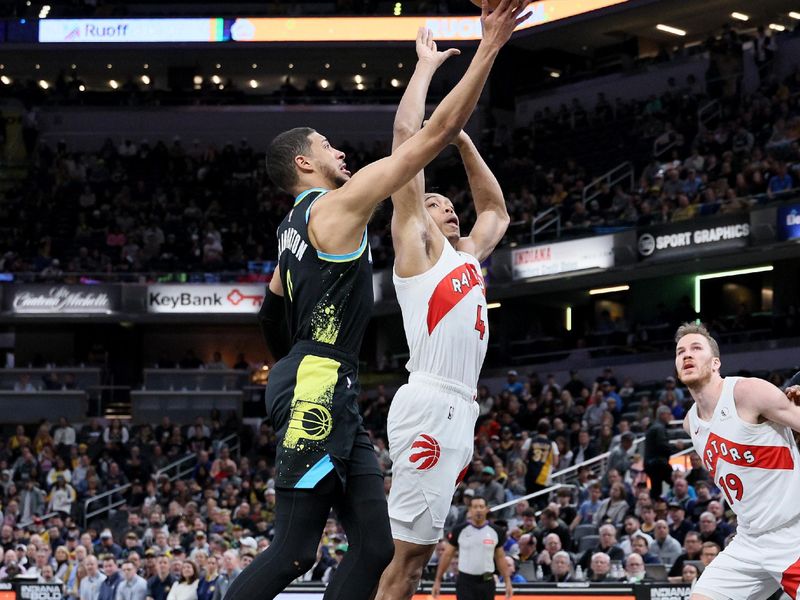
{"x": 399, "y": 65}
{"x": 740, "y": 16}
{"x": 323, "y": 83}
{"x": 253, "y": 83}
{"x": 360, "y": 86}
{"x": 254, "y": 65}
{"x": 669, "y": 29}
{"x": 37, "y": 66}
{"x": 795, "y": 15}
{"x": 395, "y": 83}
{"x": 215, "y": 79}
{"x": 555, "y": 74}
{"x": 492, "y": 305}
{"x": 113, "y": 84}
{"x": 197, "y": 80}
{"x": 81, "y": 88}
{"x": 43, "y": 84}
{"x": 73, "y": 66}
{"x": 568, "y": 319}
{"x": 358, "y": 79}
{"x": 609, "y": 290}
{"x": 363, "y": 65}
{"x": 6, "y": 80}
{"x": 145, "y": 66}
{"x": 109, "y": 66}
{"x": 327, "y": 65}
{"x": 700, "y": 278}
{"x": 291, "y": 65}
{"x": 777, "y": 27}
{"x": 44, "y": 11}
{"x": 218, "y": 66}
{"x": 146, "y": 79}
{"x": 398, "y": 9}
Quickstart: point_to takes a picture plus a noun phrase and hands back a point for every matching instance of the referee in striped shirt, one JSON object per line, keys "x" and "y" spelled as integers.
{"x": 480, "y": 549}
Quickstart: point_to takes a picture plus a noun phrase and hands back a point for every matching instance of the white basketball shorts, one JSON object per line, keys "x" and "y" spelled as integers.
{"x": 431, "y": 429}
{"x": 753, "y": 567}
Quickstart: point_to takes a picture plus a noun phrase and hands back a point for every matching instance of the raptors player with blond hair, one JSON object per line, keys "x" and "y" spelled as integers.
{"x": 437, "y": 275}
{"x": 742, "y": 428}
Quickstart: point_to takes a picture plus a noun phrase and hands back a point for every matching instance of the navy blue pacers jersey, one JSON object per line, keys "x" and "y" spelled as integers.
{"x": 312, "y": 395}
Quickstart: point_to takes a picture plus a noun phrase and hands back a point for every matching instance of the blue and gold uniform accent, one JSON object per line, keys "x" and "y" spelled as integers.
{"x": 312, "y": 396}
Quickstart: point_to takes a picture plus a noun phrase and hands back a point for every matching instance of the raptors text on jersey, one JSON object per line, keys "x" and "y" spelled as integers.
{"x": 444, "y": 317}
{"x": 757, "y": 467}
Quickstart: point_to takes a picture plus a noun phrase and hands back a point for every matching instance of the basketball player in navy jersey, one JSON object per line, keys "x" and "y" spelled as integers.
{"x": 323, "y": 289}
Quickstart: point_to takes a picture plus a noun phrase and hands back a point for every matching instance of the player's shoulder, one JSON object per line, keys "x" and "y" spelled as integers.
{"x": 752, "y": 387}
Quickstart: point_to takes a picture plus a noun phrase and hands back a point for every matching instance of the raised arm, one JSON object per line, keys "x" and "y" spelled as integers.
{"x": 409, "y": 217}
{"x": 490, "y": 206}
{"x": 762, "y": 399}
{"x": 347, "y": 210}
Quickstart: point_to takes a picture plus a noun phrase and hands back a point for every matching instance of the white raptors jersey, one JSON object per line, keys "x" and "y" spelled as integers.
{"x": 757, "y": 467}
{"x": 444, "y": 316}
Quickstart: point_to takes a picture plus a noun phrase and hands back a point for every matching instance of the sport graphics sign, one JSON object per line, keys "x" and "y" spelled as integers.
{"x": 57, "y": 299}
{"x": 229, "y": 298}
{"x": 563, "y": 257}
{"x": 693, "y": 237}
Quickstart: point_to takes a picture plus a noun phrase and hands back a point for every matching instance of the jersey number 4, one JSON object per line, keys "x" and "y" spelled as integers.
{"x": 480, "y": 324}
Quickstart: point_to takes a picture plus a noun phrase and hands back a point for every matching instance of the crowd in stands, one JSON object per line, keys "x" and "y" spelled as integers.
{"x": 187, "y": 539}
{"x": 151, "y": 205}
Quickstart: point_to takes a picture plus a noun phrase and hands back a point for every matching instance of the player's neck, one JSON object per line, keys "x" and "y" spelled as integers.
{"x": 478, "y": 522}
{"x": 707, "y": 395}
{"x": 308, "y": 182}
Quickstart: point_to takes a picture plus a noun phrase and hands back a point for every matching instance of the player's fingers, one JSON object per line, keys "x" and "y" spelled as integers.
{"x": 518, "y": 10}
{"x": 522, "y": 19}
{"x": 484, "y": 9}
{"x": 433, "y": 46}
{"x": 451, "y": 52}
{"x": 421, "y": 34}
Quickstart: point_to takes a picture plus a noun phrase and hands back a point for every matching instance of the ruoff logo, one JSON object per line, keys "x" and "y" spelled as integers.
{"x": 429, "y": 451}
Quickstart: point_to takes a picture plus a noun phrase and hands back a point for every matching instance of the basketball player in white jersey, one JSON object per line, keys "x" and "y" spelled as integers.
{"x": 742, "y": 428}
{"x": 437, "y": 275}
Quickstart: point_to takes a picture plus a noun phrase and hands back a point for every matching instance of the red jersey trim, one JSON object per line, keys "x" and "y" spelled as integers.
{"x": 451, "y": 290}
{"x": 742, "y": 455}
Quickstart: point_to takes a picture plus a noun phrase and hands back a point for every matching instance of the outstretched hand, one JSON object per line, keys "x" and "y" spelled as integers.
{"x": 499, "y": 24}
{"x": 427, "y": 51}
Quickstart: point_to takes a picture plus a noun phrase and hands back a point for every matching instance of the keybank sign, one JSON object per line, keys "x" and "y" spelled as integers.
{"x": 233, "y": 298}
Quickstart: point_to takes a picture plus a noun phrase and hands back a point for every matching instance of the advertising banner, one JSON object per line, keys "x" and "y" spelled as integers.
{"x": 218, "y": 298}
{"x": 59, "y": 299}
{"x": 39, "y": 591}
{"x": 663, "y": 591}
{"x": 563, "y": 257}
{"x": 75, "y": 31}
{"x": 788, "y": 226}
{"x": 384, "y": 29}
{"x": 693, "y": 237}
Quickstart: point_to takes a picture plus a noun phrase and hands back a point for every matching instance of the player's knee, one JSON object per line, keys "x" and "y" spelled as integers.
{"x": 301, "y": 562}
